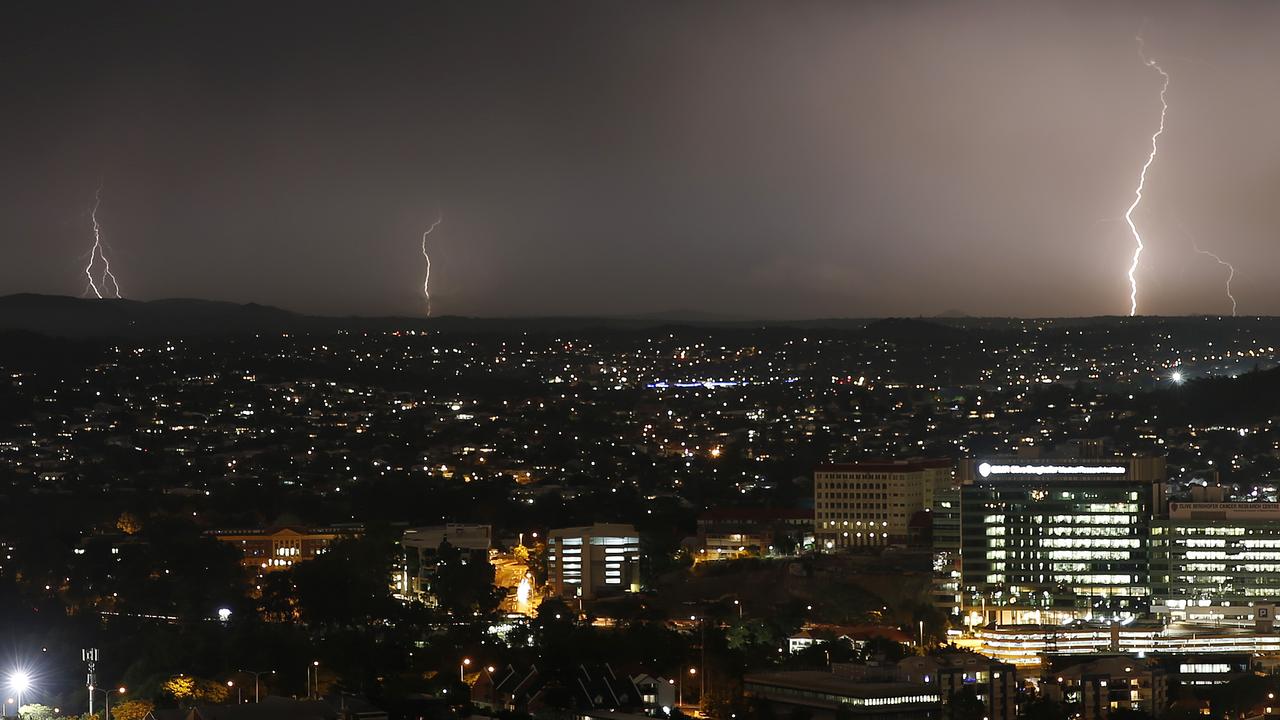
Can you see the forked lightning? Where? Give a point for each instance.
(100, 287)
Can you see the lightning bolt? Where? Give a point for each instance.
(1231, 269)
(1231, 273)
(97, 251)
(426, 281)
(1142, 181)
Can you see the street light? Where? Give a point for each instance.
(239, 692)
(106, 709)
(680, 688)
(462, 670)
(255, 674)
(19, 683)
(493, 688)
(315, 665)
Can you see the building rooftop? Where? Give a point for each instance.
(825, 682)
(756, 514)
(911, 465)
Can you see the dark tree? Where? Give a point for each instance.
(464, 588)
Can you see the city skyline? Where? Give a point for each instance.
(841, 161)
(582, 360)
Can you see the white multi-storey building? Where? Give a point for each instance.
(871, 503)
(583, 562)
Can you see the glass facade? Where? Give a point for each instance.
(1218, 562)
(1043, 543)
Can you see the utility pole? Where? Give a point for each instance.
(702, 671)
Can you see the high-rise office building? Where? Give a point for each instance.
(1044, 540)
(871, 503)
(947, 594)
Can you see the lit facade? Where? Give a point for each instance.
(1107, 685)
(1219, 562)
(948, 595)
(871, 503)
(1052, 540)
(1028, 645)
(269, 549)
(823, 694)
(583, 562)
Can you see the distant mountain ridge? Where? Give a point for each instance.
(84, 318)
(63, 316)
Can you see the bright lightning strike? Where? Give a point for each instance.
(99, 287)
(426, 281)
(1142, 181)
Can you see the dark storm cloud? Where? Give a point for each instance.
(757, 159)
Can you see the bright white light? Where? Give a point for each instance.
(19, 681)
(1177, 377)
(224, 614)
(1142, 182)
(987, 469)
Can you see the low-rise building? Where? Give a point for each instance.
(731, 532)
(280, 548)
(856, 635)
(421, 547)
(1106, 685)
(995, 684)
(1217, 669)
(823, 693)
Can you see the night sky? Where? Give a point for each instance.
(765, 160)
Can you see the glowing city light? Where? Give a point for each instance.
(1177, 377)
(426, 281)
(19, 681)
(1142, 181)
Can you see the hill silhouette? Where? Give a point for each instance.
(1247, 398)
